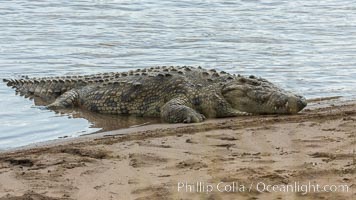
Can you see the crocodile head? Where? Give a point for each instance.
(259, 96)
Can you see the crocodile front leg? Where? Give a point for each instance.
(177, 111)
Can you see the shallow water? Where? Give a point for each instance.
(307, 46)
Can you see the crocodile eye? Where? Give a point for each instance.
(242, 80)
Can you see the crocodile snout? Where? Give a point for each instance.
(301, 103)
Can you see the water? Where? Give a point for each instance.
(307, 46)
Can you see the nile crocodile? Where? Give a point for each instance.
(176, 94)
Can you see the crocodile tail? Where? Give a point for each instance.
(45, 88)
(9, 82)
(14, 83)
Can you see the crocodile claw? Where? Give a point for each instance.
(194, 118)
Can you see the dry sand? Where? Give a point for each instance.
(150, 162)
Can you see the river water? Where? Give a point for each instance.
(306, 46)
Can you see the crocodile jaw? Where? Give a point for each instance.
(258, 96)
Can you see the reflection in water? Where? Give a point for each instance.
(104, 122)
(109, 122)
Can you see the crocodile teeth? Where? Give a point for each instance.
(137, 84)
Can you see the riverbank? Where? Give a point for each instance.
(195, 161)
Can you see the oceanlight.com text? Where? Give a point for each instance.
(236, 187)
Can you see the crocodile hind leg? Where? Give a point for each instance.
(66, 100)
(175, 111)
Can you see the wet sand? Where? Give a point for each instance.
(194, 161)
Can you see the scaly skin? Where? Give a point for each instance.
(176, 94)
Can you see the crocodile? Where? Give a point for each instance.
(181, 94)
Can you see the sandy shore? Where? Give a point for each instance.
(233, 158)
